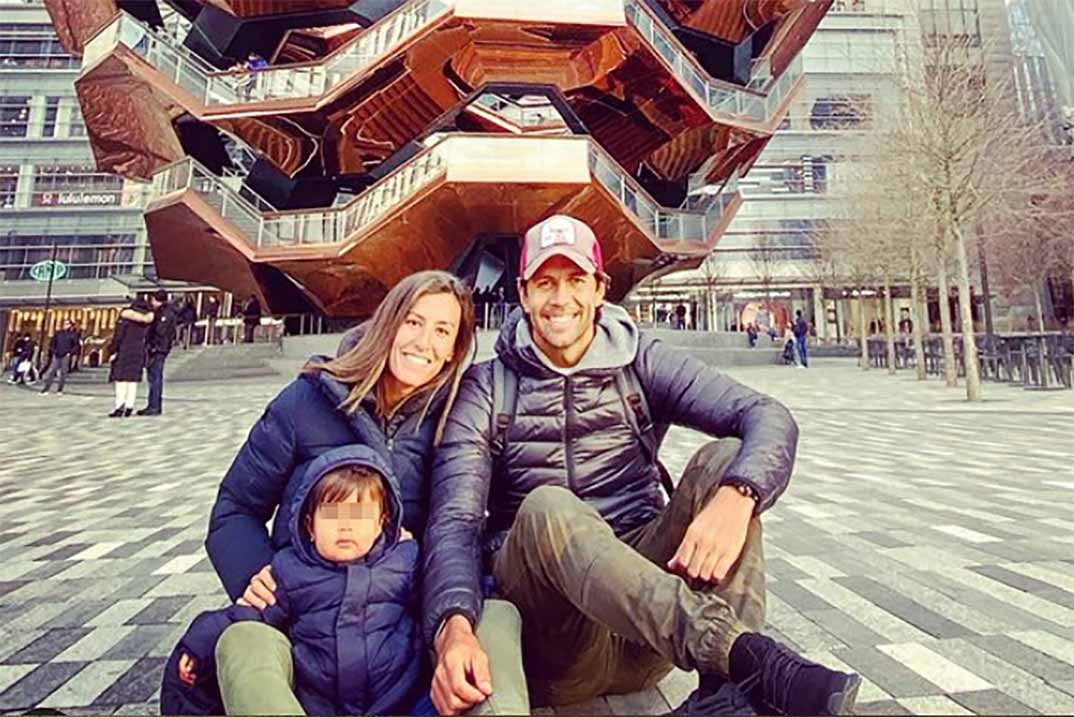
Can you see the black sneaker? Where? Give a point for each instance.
(716, 696)
(147, 412)
(789, 684)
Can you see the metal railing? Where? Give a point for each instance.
(264, 226)
(520, 115)
(212, 86)
(718, 97)
(694, 222)
(215, 87)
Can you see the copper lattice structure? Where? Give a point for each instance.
(388, 136)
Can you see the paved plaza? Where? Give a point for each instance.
(925, 543)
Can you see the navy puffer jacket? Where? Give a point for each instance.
(301, 423)
(353, 626)
(571, 429)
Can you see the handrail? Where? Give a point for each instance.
(265, 227)
(519, 115)
(312, 79)
(296, 81)
(717, 96)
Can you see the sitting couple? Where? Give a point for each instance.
(521, 497)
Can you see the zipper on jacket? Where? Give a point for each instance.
(568, 443)
(391, 427)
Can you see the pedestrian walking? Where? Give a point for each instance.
(801, 338)
(127, 354)
(64, 343)
(185, 320)
(76, 355)
(211, 314)
(251, 319)
(158, 344)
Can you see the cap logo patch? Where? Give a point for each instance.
(555, 232)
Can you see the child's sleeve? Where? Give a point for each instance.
(278, 615)
(200, 640)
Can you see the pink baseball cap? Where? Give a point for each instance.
(560, 235)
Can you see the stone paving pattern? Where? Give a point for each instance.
(925, 543)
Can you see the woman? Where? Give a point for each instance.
(390, 391)
(128, 355)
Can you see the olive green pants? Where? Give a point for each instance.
(601, 614)
(256, 674)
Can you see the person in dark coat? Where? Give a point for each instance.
(387, 390)
(211, 312)
(187, 316)
(560, 500)
(251, 319)
(158, 344)
(348, 550)
(127, 352)
(64, 342)
(801, 338)
(23, 350)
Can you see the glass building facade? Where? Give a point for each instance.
(54, 205)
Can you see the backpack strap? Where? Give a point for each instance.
(504, 400)
(641, 421)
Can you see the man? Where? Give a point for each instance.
(186, 317)
(64, 343)
(251, 319)
(560, 500)
(158, 343)
(212, 313)
(801, 338)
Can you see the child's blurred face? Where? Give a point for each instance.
(346, 530)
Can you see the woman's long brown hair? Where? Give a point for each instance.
(362, 367)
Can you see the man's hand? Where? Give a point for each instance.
(462, 678)
(187, 667)
(261, 592)
(714, 540)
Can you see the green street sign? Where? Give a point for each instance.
(48, 269)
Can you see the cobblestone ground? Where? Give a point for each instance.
(924, 543)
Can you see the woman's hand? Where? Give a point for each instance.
(261, 592)
(187, 665)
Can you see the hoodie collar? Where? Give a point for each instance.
(614, 346)
(357, 456)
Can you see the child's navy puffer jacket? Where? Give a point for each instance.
(353, 626)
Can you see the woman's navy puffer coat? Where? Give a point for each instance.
(301, 423)
(353, 626)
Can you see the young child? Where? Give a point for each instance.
(348, 549)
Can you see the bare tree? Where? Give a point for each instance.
(955, 150)
(712, 273)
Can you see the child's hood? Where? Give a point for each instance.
(357, 456)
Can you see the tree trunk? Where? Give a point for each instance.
(965, 305)
(918, 330)
(1040, 306)
(861, 332)
(889, 321)
(950, 370)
